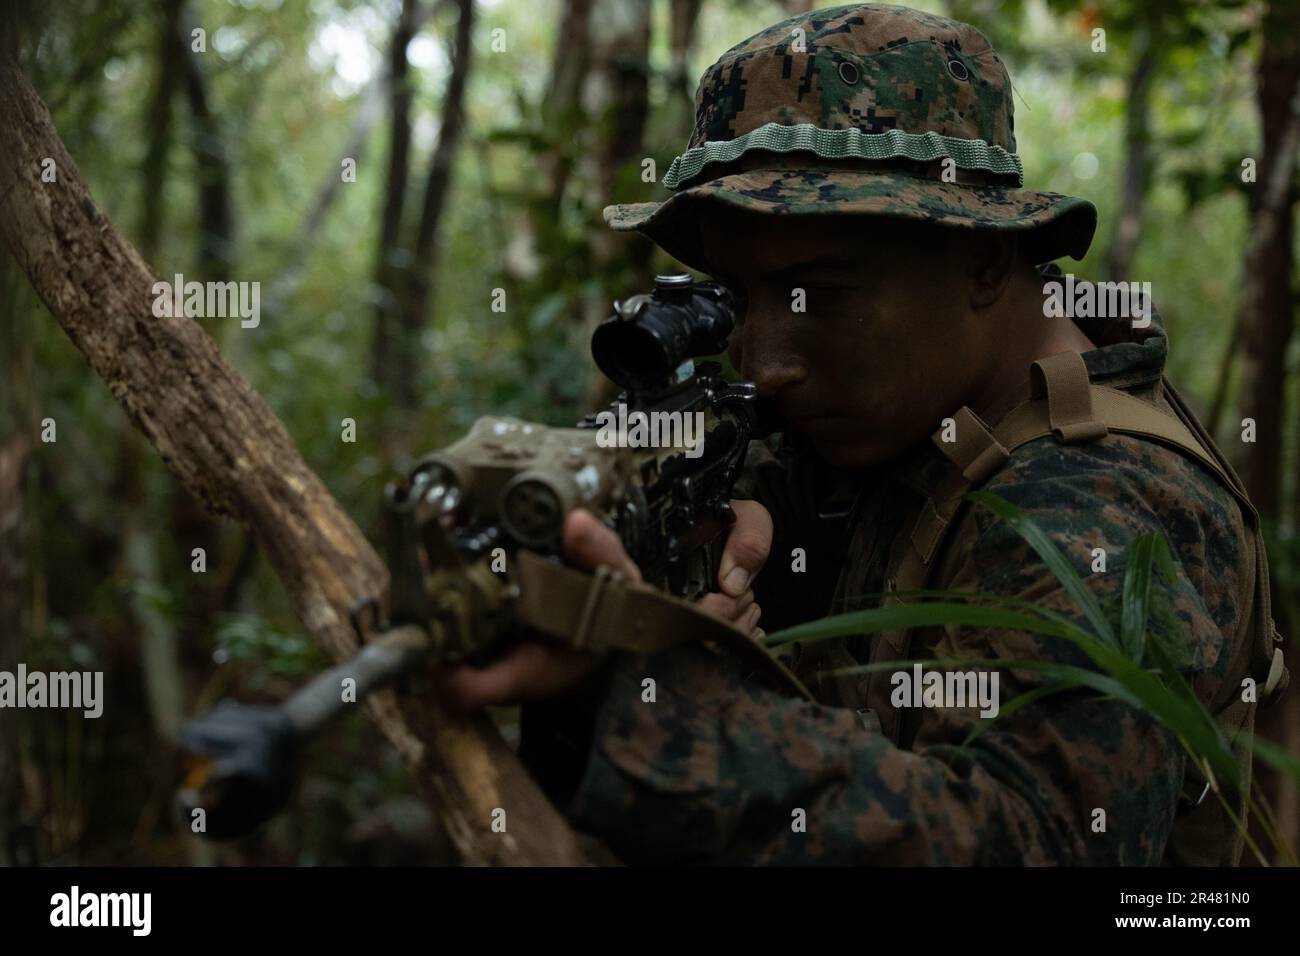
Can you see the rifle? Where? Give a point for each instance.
(475, 551)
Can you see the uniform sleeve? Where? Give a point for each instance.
(713, 769)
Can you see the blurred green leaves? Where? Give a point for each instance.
(248, 641)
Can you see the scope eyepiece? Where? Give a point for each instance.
(648, 337)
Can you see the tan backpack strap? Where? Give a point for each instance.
(977, 455)
(603, 612)
(1184, 413)
(1062, 379)
(1124, 413)
(974, 450)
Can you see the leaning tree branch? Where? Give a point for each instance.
(223, 443)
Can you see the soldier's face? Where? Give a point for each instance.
(859, 329)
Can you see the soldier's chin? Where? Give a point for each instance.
(844, 444)
(849, 457)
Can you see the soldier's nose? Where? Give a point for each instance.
(768, 359)
(771, 377)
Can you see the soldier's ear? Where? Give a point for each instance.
(992, 258)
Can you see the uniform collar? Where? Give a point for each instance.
(1126, 357)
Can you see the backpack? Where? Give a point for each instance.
(1065, 405)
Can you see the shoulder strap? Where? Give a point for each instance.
(1079, 411)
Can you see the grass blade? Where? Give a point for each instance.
(1137, 594)
(902, 616)
(1057, 562)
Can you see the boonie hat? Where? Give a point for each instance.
(865, 109)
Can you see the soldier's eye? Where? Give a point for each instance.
(822, 297)
(740, 300)
(829, 285)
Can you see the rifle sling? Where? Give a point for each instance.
(605, 612)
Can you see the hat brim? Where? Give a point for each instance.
(1054, 225)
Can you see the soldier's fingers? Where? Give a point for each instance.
(743, 604)
(724, 607)
(748, 544)
(588, 544)
(531, 671)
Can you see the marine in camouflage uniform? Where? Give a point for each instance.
(860, 121)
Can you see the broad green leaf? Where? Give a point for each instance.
(976, 596)
(1137, 592)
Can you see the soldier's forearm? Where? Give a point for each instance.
(714, 770)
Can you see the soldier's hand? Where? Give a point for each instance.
(535, 670)
(744, 555)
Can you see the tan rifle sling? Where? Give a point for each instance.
(605, 612)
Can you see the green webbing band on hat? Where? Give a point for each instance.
(851, 143)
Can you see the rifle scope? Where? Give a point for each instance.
(648, 337)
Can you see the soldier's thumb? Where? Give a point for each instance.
(747, 547)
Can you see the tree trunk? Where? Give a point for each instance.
(424, 262)
(618, 90)
(388, 266)
(1223, 381)
(562, 110)
(368, 113)
(1137, 139)
(683, 19)
(158, 131)
(216, 216)
(157, 637)
(219, 438)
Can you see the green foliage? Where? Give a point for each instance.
(245, 639)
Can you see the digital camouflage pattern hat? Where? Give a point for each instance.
(864, 109)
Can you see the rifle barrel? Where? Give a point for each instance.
(380, 662)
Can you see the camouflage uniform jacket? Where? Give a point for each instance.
(716, 767)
